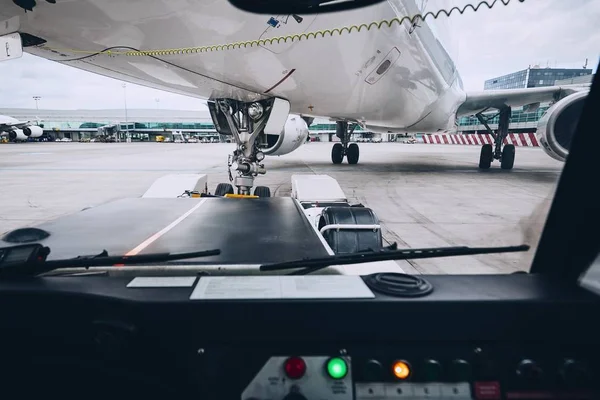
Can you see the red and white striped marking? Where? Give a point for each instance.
(518, 139)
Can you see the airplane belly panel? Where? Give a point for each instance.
(279, 26)
(321, 70)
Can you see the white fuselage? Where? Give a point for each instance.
(331, 76)
(18, 130)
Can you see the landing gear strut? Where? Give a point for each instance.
(505, 154)
(339, 150)
(245, 122)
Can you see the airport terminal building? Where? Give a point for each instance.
(534, 77)
(521, 120)
(144, 124)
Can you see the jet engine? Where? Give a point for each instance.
(33, 131)
(556, 128)
(17, 134)
(293, 135)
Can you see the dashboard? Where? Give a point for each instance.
(474, 337)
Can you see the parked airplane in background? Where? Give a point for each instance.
(388, 77)
(18, 130)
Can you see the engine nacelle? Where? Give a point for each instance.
(17, 134)
(293, 135)
(33, 131)
(556, 128)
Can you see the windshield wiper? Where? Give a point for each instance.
(309, 265)
(30, 260)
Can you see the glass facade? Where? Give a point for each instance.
(153, 126)
(69, 125)
(576, 80)
(328, 127)
(170, 125)
(547, 76)
(148, 131)
(517, 116)
(516, 80)
(90, 125)
(533, 77)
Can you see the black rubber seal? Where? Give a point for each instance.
(398, 285)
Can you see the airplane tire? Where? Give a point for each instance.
(262, 191)
(353, 153)
(486, 156)
(223, 189)
(337, 153)
(508, 156)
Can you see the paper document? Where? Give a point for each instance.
(281, 287)
(162, 281)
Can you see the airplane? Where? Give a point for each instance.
(389, 77)
(18, 130)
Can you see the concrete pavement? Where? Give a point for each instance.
(425, 195)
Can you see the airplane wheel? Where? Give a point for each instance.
(223, 189)
(262, 191)
(486, 156)
(353, 153)
(337, 153)
(508, 156)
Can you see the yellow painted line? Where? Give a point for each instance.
(241, 196)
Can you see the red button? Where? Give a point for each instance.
(294, 367)
(487, 391)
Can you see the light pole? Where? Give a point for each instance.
(36, 98)
(157, 100)
(124, 85)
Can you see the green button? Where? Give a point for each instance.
(337, 368)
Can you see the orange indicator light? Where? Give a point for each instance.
(401, 370)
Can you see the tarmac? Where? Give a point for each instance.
(424, 195)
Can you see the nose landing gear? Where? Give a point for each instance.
(245, 128)
(247, 123)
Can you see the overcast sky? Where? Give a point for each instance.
(489, 43)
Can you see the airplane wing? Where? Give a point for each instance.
(13, 125)
(482, 100)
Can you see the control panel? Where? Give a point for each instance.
(302, 378)
(482, 373)
(394, 380)
(516, 337)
